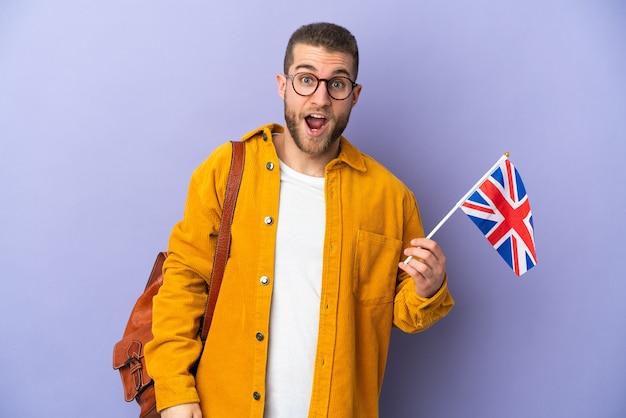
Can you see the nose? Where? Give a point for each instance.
(321, 97)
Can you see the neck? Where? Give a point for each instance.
(300, 161)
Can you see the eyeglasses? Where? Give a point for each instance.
(305, 84)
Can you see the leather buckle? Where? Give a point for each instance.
(134, 351)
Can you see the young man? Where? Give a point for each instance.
(315, 279)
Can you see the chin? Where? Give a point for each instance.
(314, 146)
(309, 144)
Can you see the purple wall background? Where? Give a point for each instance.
(106, 108)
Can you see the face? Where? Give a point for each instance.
(316, 122)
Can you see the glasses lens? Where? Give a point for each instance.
(305, 84)
(339, 88)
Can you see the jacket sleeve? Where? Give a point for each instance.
(411, 312)
(179, 306)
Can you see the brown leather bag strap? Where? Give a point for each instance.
(222, 249)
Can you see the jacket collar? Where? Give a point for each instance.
(265, 130)
(348, 154)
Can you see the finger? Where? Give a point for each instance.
(428, 244)
(419, 254)
(423, 243)
(421, 269)
(426, 262)
(416, 268)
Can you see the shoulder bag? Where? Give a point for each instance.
(128, 354)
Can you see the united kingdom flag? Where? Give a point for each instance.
(500, 209)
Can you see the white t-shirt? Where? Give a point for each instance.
(294, 318)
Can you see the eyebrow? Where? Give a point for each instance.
(311, 68)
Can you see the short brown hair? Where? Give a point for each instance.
(331, 37)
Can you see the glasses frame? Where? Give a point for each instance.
(319, 80)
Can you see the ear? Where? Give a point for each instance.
(355, 94)
(281, 80)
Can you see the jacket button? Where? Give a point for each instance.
(264, 136)
(269, 166)
(264, 280)
(268, 220)
(256, 396)
(260, 336)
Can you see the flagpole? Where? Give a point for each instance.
(463, 199)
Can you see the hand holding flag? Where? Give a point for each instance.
(499, 206)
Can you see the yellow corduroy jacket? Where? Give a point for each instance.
(370, 218)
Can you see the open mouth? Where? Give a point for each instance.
(316, 122)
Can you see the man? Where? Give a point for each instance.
(315, 279)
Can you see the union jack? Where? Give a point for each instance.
(500, 209)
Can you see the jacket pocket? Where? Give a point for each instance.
(376, 266)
